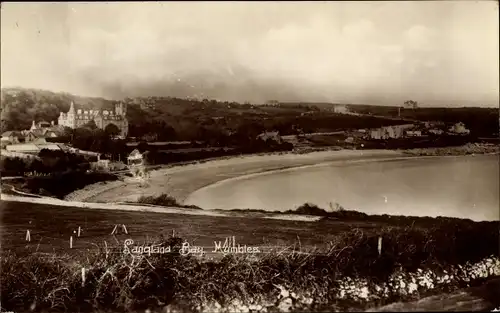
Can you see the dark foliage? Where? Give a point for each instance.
(62, 183)
(115, 283)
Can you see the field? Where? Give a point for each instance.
(51, 232)
(330, 264)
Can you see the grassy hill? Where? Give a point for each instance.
(180, 119)
(169, 118)
(20, 106)
(332, 263)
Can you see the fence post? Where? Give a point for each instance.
(79, 230)
(379, 245)
(71, 242)
(83, 276)
(106, 245)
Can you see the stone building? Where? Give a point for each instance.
(390, 132)
(75, 118)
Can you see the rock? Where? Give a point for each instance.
(285, 305)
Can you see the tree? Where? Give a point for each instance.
(90, 125)
(112, 130)
(411, 104)
(142, 146)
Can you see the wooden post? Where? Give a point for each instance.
(28, 236)
(71, 242)
(79, 230)
(173, 233)
(83, 276)
(379, 245)
(106, 245)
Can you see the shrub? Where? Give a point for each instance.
(163, 199)
(61, 184)
(309, 209)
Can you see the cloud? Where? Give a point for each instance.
(419, 37)
(234, 50)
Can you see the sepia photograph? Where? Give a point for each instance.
(240, 156)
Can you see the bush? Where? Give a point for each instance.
(309, 209)
(163, 199)
(61, 184)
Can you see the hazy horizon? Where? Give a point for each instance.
(439, 53)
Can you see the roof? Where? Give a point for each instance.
(46, 132)
(33, 147)
(50, 146)
(134, 154)
(38, 132)
(78, 151)
(23, 147)
(11, 133)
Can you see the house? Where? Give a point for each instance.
(42, 130)
(29, 136)
(376, 134)
(435, 131)
(349, 140)
(77, 117)
(434, 124)
(135, 158)
(395, 131)
(400, 130)
(12, 137)
(270, 135)
(33, 147)
(413, 133)
(459, 129)
(340, 108)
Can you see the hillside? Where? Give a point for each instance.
(20, 106)
(169, 118)
(483, 122)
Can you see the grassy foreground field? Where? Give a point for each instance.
(332, 264)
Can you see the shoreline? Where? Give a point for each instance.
(320, 164)
(181, 180)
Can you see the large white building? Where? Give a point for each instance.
(75, 118)
(340, 108)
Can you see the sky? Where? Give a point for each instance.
(439, 53)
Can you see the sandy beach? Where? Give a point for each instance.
(181, 181)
